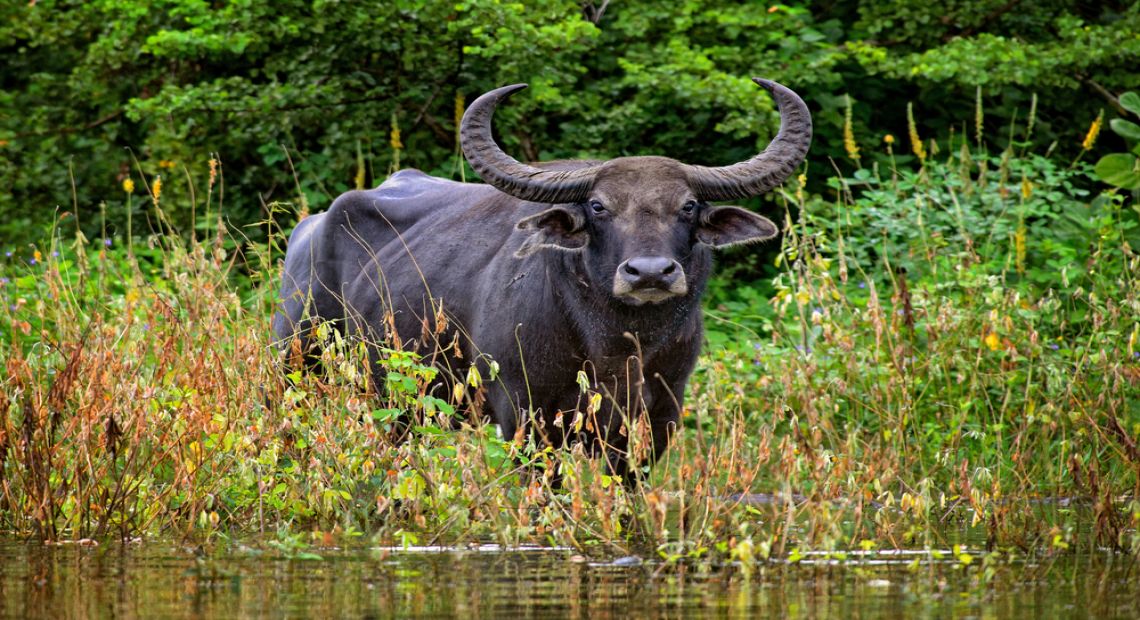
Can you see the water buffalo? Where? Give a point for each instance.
(548, 269)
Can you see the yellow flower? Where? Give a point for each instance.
(165, 163)
(394, 140)
(394, 136)
(157, 188)
(849, 134)
(360, 170)
(915, 141)
(1026, 188)
(1094, 131)
(128, 186)
(213, 171)
(889, 139)
(1019, 247)
(459, 106)
(992, 341)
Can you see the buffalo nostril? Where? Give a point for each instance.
(650, 277)
(650, 266)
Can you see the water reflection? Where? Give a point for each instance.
(154, 580)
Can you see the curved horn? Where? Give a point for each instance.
(505, 172)
(768, 169)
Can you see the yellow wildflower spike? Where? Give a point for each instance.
(394, 135)
(912, 129)
(459, 107)
(1019, 247)
(394, 140)
(849, 143)
(1094, 131)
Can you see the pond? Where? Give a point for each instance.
(150, 580)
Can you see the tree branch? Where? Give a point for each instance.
(1104, 92)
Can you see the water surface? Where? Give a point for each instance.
(160, 580)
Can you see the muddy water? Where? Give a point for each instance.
(154, 580)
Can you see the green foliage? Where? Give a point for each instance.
(943, 340)
(949, 329)
(1031, 45)
(1123, 169)
(298, 100)
(282, 92)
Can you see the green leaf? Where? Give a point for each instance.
(411, 486)
(1119, 169)
(432, 404)
(1130, 101)
(446, 452)
(1125, 129)
(386, 415)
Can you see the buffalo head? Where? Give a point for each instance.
(639, 220)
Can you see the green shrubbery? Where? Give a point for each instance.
(945, 346)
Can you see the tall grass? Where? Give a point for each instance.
(950, 354)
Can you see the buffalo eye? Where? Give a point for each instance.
(597, 208)
(689, 207)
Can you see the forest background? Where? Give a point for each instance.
(299, 100)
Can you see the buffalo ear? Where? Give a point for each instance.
(722, 227)
(557, 227)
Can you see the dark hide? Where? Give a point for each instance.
(516, 276)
